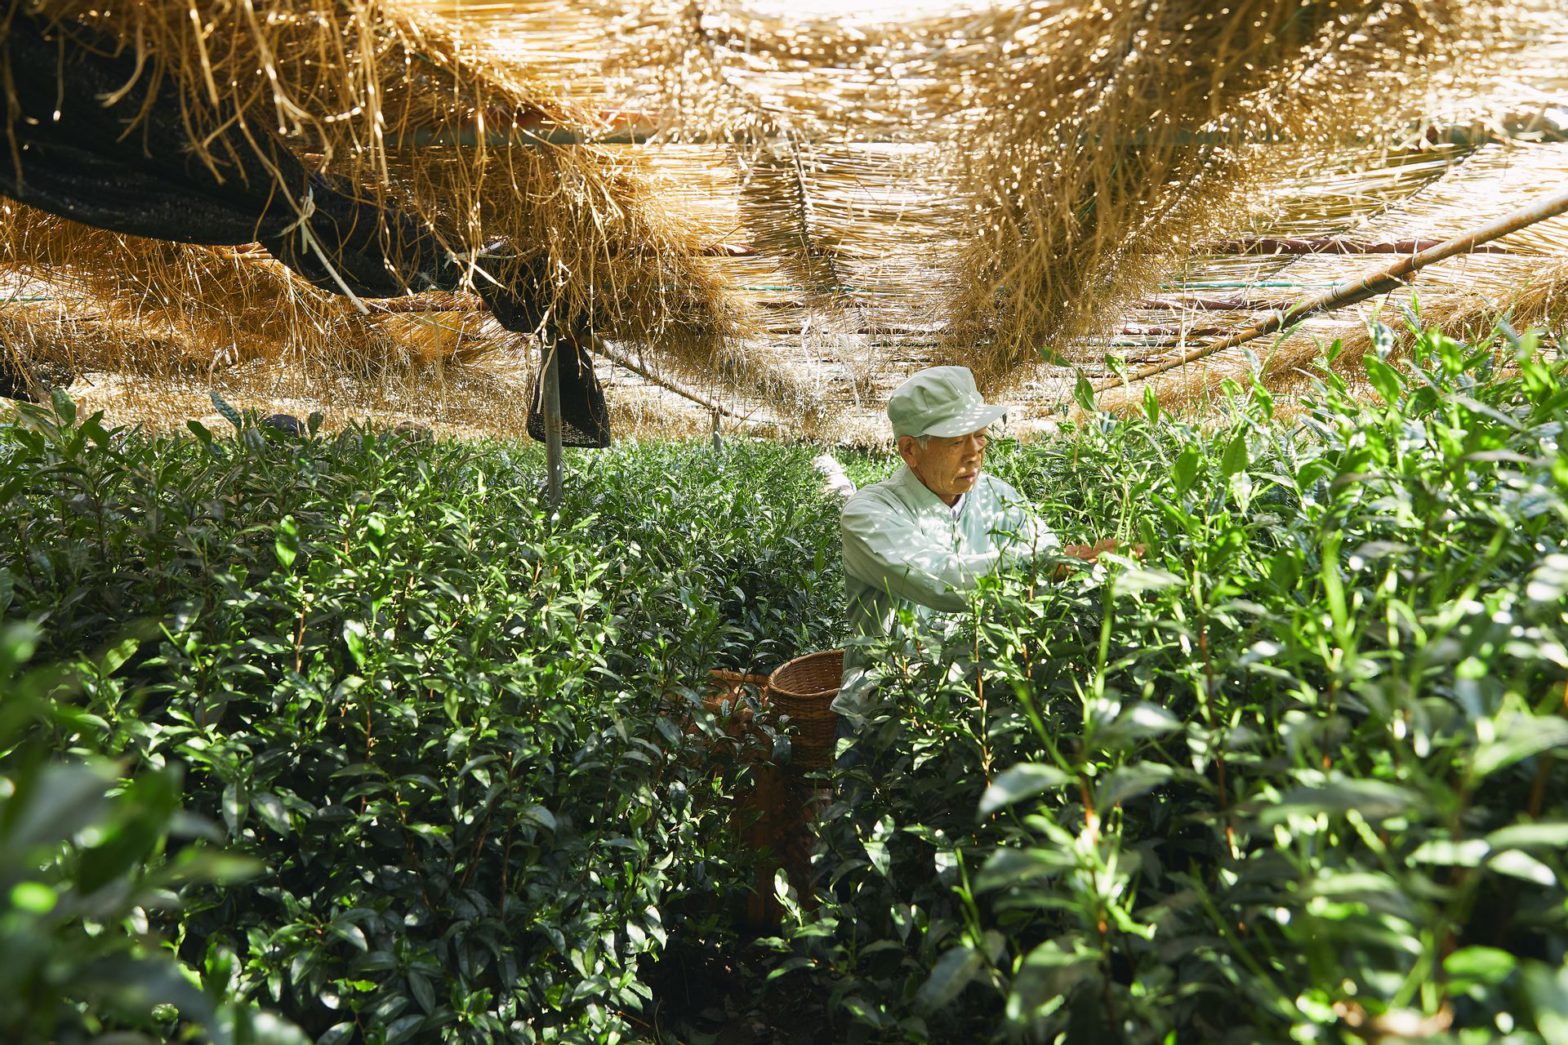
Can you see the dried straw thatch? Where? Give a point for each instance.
(201, 306)
(791, 215)
(391, 100)
(1118, 135)
(405, 108)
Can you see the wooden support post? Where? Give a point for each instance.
(550, 407)
(718, 439)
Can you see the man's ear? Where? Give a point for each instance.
(906, 448)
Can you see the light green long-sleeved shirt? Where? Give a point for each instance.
(904, 547)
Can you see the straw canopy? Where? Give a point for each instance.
(361, 127)
(783, 218)
(1116, 141)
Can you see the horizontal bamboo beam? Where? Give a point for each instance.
(1198, 304)
(1526, 127)
(1138, 330)
(1335, 245)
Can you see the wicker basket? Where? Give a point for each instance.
(730, 689)
(804, 690)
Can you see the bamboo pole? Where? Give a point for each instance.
(1354, 290)
(1197, 304)
(550, 380)
(1271, 245)
(600, 347)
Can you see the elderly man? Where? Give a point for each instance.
(922, 539)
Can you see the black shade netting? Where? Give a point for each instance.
(585, 419)
(129, 167)
(30, 380)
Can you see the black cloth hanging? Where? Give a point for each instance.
(129, 168)
(585, 419)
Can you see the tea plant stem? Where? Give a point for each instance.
(985, 729)
(479, 841)
(370, 742)
(1242, 953)
(1103, 655)
(1091, 819)
(1543, 769)
(1032, 711)
(299, 636)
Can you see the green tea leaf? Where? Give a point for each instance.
(1516, 863)
(64, 406)
(1549, 580)
(1083, 393)
(1487, 965)
(355, 635)
(33, 897)
(424, 993)
(949, 976)
(271, 810)
(1137, 580)
(1540, 835)
(1128, 782)
(1016, 783)
(1519, 737)
(538, 814)
(1235, 458)
(1373, 799)
(53, 806)
(1008, 867)
(1047, 977)
(116, 656)
(285, 545)
(1185, 470)
(1385, 379)
(1446, 853)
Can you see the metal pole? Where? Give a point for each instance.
(1361, 288)
(550, 378)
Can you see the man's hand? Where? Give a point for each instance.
(1090, 553)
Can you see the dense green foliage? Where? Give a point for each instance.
(432, 714)
(350, 731)
(1289, 777)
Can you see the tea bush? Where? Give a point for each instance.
(435, 716)
(1292, 776)
(77, 882)
(347, 740)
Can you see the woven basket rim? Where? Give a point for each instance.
(726, 675)
(805, 661)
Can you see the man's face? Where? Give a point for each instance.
(948, 467)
